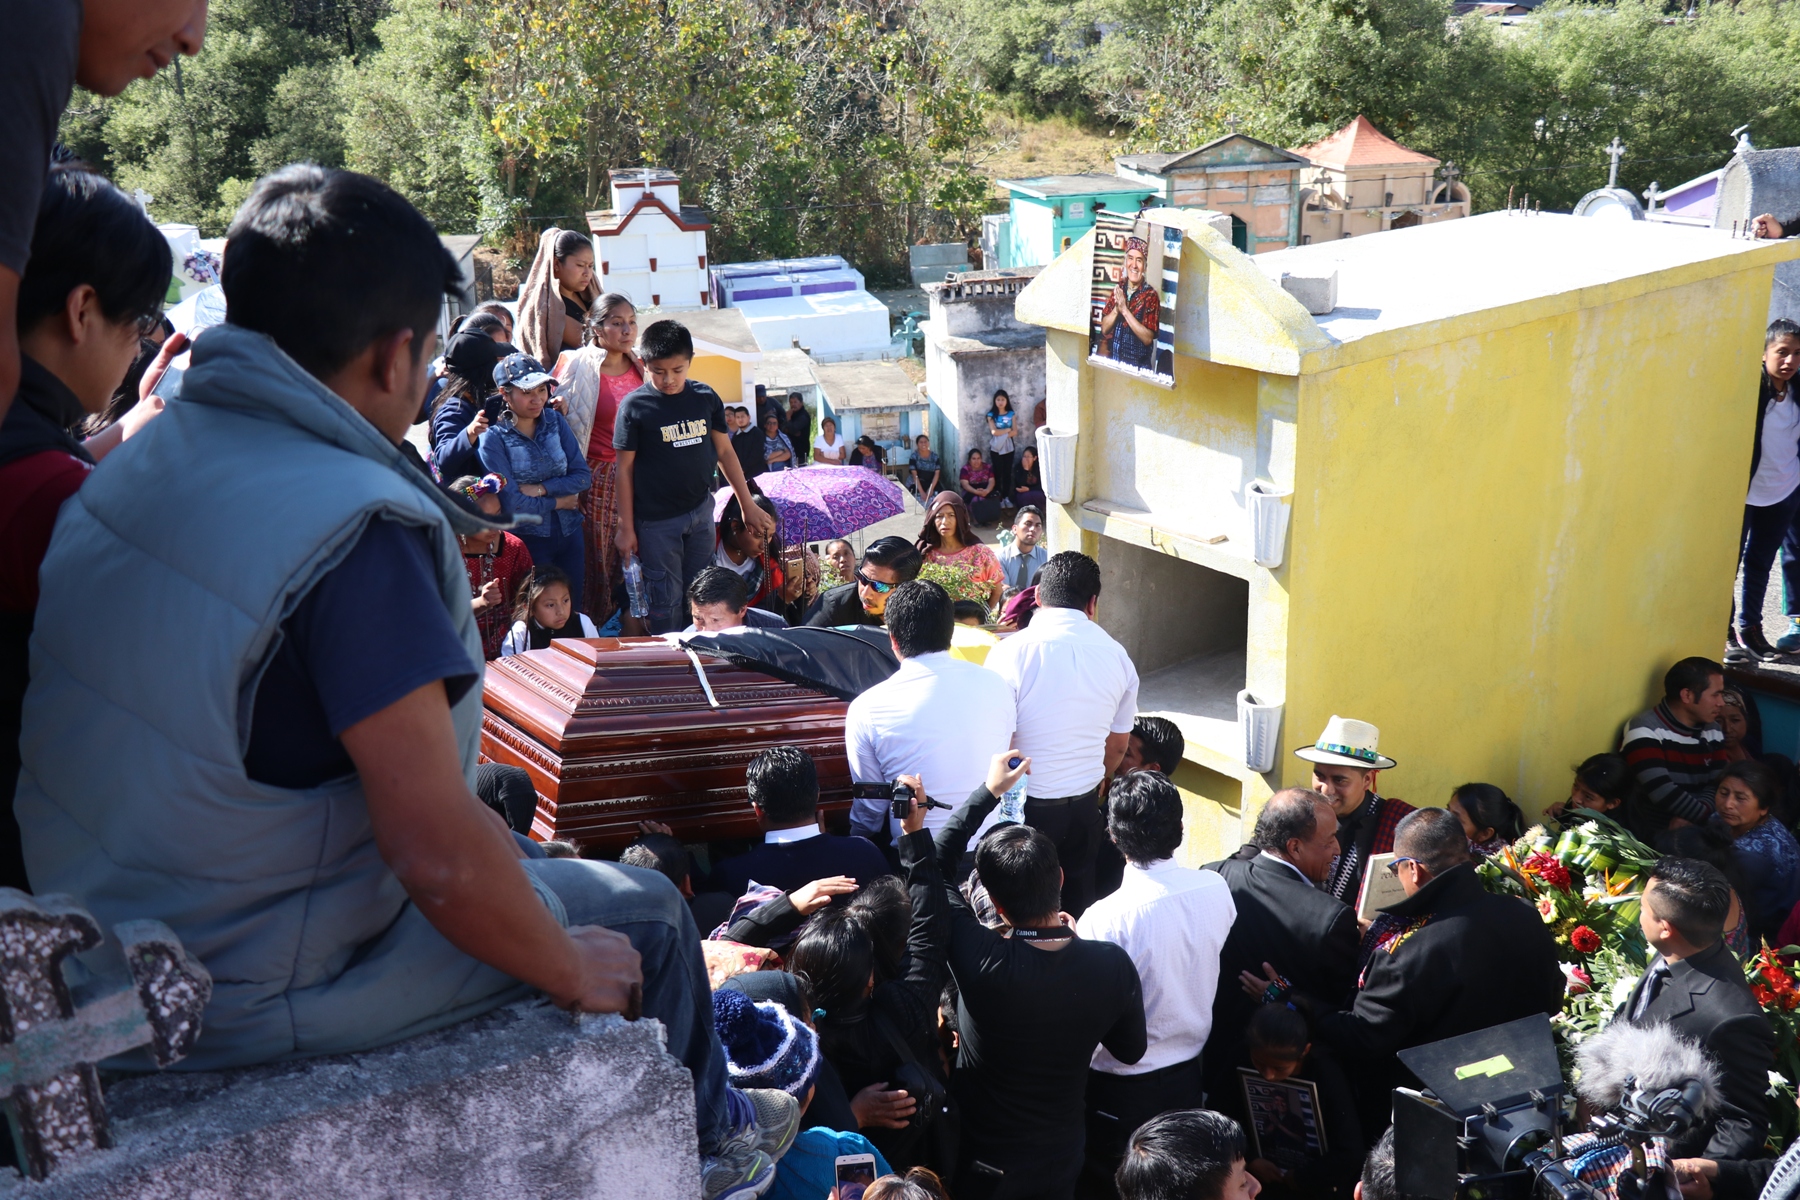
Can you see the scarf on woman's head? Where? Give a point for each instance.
(540, 321)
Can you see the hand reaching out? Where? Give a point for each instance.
(809, 898)
(1001, 777)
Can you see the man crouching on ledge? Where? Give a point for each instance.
(256, 696)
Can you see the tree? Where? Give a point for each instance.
(410, 118)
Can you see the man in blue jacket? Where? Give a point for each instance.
(289, 700)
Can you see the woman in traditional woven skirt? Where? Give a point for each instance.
(593, 381)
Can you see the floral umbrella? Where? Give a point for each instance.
(820, 502)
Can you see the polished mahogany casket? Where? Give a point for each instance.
(614, 731)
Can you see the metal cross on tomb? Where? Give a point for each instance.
(1616, 151)
(49, 1047)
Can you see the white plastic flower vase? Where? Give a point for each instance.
(1262, 725)
(1269, 511)
(1056, 455)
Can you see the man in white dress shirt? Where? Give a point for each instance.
(937, 717)
(1173, 922)
(1076, 691)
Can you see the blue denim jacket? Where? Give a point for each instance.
(451, 453)
(552, 458)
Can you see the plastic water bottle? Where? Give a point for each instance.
(1012, 805)
(634, 587)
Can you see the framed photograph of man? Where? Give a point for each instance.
(1131, 323)
(1284, 1119)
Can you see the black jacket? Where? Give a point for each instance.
(857, 1041)
(1473, 959)
(790, 865)
(1282, 919)
(1766, 394)
(839, 606)
(42, 414)
(1707, 999)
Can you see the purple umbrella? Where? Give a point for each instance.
(820, 502)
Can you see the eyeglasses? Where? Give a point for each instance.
(148, 324)
(1394, 867)
(880, 589)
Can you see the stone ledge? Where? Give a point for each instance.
(523, 1102)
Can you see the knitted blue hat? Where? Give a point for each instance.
(765, 1047)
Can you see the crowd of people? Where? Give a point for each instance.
(1015, 992)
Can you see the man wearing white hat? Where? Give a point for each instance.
(1346, 762)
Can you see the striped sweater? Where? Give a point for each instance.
(1676, 766)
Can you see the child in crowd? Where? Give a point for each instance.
(1282, 1049)
(1490, 819)
(766, 1046)
(546, 610)
(497, 563)
(670, 436)
(545, 467)
(1602, 782)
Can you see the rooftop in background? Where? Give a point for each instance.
(1045, 187)
(724, 328)
(1411, 277)
(1360, 144)
(1210, 155)
(868, 385)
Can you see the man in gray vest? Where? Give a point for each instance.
(256, 696)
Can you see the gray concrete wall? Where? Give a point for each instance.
(1165, 610)
(521, 1104)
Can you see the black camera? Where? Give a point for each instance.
(900, 797)
(1491, 1121)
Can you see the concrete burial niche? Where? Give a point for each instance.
(521, 1104)
(1514, 456)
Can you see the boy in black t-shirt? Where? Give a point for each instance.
(670, 435)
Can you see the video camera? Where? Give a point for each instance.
(1491, 1119)
(899, 795)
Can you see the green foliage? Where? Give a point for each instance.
(261, 93)
(958, 581)
(410, 119)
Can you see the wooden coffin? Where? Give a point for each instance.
(619, 730)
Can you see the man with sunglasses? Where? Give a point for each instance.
(886, 564)
(1458, 959)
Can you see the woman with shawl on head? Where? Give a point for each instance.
(558, 293)
(947, 538)
(591, 382)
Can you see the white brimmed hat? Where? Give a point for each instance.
(1347, 743)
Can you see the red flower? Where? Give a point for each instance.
(1584, 940)
(1546, 867)
(1763, 995)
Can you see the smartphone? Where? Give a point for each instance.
(793, 559)
(492, 406)
(855, 1172)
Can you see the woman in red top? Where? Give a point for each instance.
(593, 381)
(496, 561)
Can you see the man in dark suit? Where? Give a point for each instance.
(1697, 987)
(784, 791)
(1282, 919)
(1457, 959)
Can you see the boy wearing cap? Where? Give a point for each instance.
(670, 436)
(545, 468)
(1346, 762)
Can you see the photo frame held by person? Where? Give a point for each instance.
(1131, 310)
(1284, 1125)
